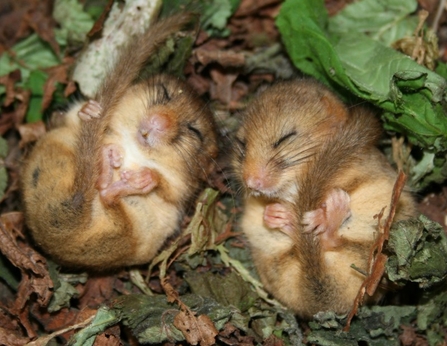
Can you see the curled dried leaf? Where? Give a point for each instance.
(196, 329)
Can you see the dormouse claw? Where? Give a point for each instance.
(91, 110)
(330, 216)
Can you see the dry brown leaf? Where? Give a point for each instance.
(56, 74)
(11, 338)
(250, 7)
(272, 340)
(434, 206)
(97, 27)
(70, 88)
(221, 89)
(12, 25)
(39, 18)
(225, 58)
(35, 276)
(31, 132)
(230, 335)
(23, 96)
(9, 81)
(172, 295)
(335, 6)
(43, 340)
(17, 17)
(111, 337)
(96, 291)
(196, 329)
(6, 122)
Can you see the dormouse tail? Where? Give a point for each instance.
(339, 151)
(121, 76)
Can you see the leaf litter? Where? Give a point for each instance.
(202, 288)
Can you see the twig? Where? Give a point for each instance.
(377, 259)
(441, 8)
(43, 340)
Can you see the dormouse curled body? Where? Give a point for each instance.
(314, 180)
(109, 186)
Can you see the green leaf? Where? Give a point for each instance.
(301, 24)
(151, 318)
(377, 325)
(227, 290)
(385, 320)
(412, 97)
(418, 252)
(62, 296)
(215, 16)
(35, 84)
(74, 22)
(441, 69)
(411, 94)
(30, 54)
(432, 314)
(385, 21)
(104, 318)
(64, 289)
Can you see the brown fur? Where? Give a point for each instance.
(304, 271)
(65, 211)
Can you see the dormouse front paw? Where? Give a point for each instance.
(278, 216)
(333, 212)
(327, 219)
(132, 182)
(111, 158)
(141, 181)
(91, 110)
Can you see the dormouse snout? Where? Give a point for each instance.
(153, 129)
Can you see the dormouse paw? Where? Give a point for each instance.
(111, 158)
(141, 181)
(91, 110)
(315, 221)
(331, 215)
(277, 215)
(138, 182)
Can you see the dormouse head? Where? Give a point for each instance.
(281, 131)
(172, 126)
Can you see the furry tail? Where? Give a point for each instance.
(343, 148)
(126, 70)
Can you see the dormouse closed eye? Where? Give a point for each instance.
(163, 96)
(195, 131)
(241, 143)
(283, 139)
(241, 146)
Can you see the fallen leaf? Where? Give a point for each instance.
(221, 89)
(35, 276)
(43, 340)
(250, 7)
(97, 291)
(9, 81)
(56, 74)
(196, 329)
(11, 338)
(99, 24)
(225, 58)
(111, 337)
(39, 18)
(12, 26)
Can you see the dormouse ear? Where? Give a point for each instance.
(335, 108)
